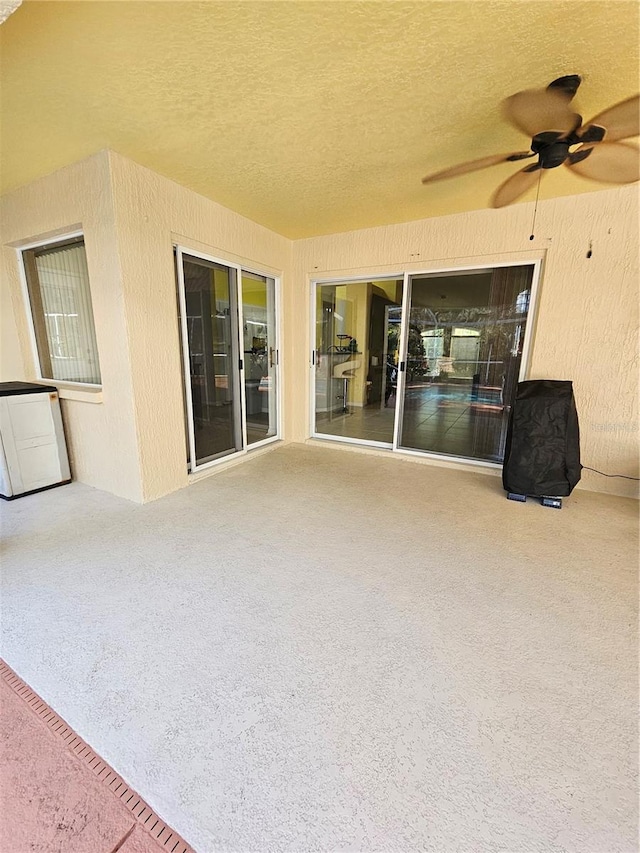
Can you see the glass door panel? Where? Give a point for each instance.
(210, 326)
(260, 356)
(464, 338)
(356, 359)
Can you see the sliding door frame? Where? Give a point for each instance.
(524, 361)
(402, 372)
(406, 276)
(315, 284)
(237, 324)
(250, 270)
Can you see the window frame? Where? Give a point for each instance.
(53, 243)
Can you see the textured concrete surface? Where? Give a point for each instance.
(56, 793)
(50, 801)
(321, 650)
(139, 842)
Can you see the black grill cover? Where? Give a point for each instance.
(542, 451)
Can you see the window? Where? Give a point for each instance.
(61, 312)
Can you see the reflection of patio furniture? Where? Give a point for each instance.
(345, 371)
(486, 393)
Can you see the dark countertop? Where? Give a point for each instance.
(9, 389)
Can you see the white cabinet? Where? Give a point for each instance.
(33, 453)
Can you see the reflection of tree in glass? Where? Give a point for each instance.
(393, 344)
(417, 366)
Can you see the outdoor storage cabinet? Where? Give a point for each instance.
(33, 453)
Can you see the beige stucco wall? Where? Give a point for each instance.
(152, 213)
(132, 442)
(130, 438)
(100, 429)
(587, 317)
(11, 359)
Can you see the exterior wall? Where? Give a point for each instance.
(586, 328)
(152, 213)
(130, 438)
(100, 427)
(11, 359)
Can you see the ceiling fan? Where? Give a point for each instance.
(558, 136)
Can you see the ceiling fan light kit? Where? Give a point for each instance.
(594, 149)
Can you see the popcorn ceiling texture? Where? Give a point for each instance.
(319, 650)
(308, 117)
(8, 7)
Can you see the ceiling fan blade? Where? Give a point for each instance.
(537, 110)
(621, 120)
(474, 165)
(515, 186)
(566, 86)
(591, 133)
(609, 162)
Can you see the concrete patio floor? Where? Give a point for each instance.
(326, 650)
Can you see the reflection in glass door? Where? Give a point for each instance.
(357, 343)
(210, 325)
(464, 340)
(260, 356)
(230, 357)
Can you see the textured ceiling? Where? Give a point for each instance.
(8, 7)
(308, 117)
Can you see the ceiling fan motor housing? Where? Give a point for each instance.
(558, 136)
(554, 155)
(552, 149)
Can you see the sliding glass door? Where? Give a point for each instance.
(433, 373)
(260, 356)
(356, 359)
(463, 352)
(230, 355)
